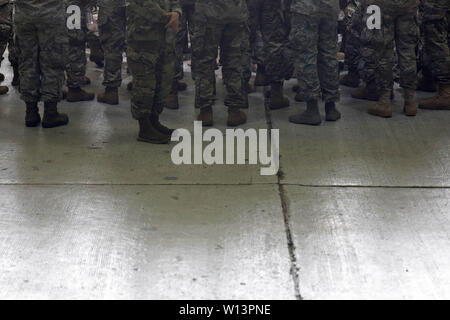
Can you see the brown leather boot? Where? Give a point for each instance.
(172, 101)
(439, 102)
(410, 107)
(78, 94)
(148, 133)
(236, 117)
(3, 90)
(206, 116)
(110, 96)
(383, 108)
(277, 100)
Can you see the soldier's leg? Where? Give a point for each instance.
(143, 61)
(96, 52)
(76, 63)
(383, 48)
(328, 67)
(52, 64)
(205, 45)
(5, 31)
(352, 49)
(274, 32)
(29, 67)
(304, 40)
(13, 57)
(246, 54)
(232, 37)
(437, 35)
(406, 39)
(112, 26)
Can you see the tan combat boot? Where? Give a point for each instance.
(78, 94)
(439, 102)
(383, 108)
(3, 90)
(410, 107)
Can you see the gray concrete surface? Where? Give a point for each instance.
(360, 210)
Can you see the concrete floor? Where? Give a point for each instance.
(361, 208)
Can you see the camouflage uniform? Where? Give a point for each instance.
(272, 18)
(219, 23)
(5, 26)
(246, 52)
(112, 28)
(436, 24)
(353, 23)
(399, 27)
(76, 48)
(314, 44)
(42, 35)
(185, 32)
(150, 53)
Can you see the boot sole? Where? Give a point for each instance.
(54, 125)
(380, 115)
(32, 124)
(79, 100)
(108, 102)
(153, 141)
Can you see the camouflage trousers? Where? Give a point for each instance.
(354, 25)
(41, 63)
(6, 30)
(5, 35)
(436, 26)
(313, 42)
(399, 29)
(76, 52)
(269, 17)
(151, 63)
(182, 40)
(208, 37)
(112, 27)
(246, 53)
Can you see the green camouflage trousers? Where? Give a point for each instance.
(186, 28)
(151, 59)
(436, 27)
(76, 51)
(313, 42)
(246, 52)
(272, 18)
(399, 29)
(112, 28)
(41, 63)
(5, 28)
(208, 37)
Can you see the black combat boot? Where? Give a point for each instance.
(32, 117)
(148, 133)
(3, 90)
(351, 79)
(16, 79)
(260, 80)
(154, 119)
(206, 117)
(277, 99)
(332, 113)
(110, 96)
(52, 118)
(310, 117)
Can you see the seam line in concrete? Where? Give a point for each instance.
(286, 212)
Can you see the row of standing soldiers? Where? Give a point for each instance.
(299, 39)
